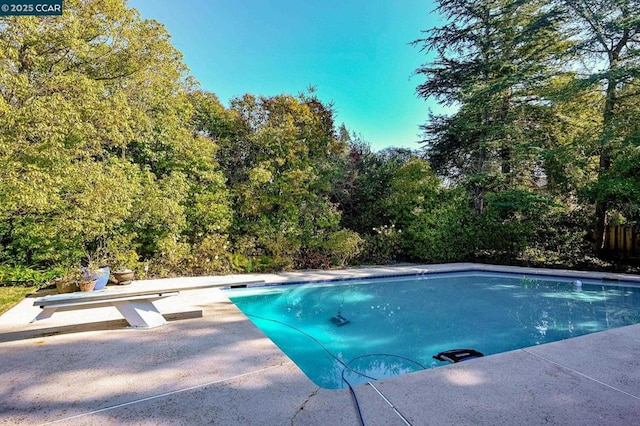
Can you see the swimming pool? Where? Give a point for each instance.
(353, 331)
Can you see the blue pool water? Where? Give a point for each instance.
(397, 324)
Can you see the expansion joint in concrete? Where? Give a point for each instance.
(304, 403)
(582, 374)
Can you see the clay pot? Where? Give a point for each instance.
(87, 285)
(65, 285)
(123, 277)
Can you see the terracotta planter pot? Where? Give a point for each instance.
(65, 286)
(87, 285)
(123, 277)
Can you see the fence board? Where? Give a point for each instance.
(622, 240)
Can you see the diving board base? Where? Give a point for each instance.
(141, 314)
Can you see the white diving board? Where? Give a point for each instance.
(135, 305)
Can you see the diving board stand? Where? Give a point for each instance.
(135, 305)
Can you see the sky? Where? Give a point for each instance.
(355, 53)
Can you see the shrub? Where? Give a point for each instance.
(342, 246)
(383, 246)
(444, 233)
(21, 276)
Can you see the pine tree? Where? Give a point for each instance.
(608, 48)
(492, 61)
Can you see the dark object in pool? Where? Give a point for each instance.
(458, 355)
(339, 320)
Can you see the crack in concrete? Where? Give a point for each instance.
(304, 403)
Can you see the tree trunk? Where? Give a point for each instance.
(479, 187)
(602, 203)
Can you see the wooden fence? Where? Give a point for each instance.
(622, 240)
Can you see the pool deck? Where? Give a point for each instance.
(210, 365)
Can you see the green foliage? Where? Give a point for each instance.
(560, 240)
(382, 246)
(511, 220)
(490, 56)
(365, 186)
(99, 149)
(21, 276)
(430, 220)
(607, 34)
(535, 119)
(443, 233)
(342, 246)
(108, 147)
(119, 252)
(413, 190)
(282, 188)
(534, 229)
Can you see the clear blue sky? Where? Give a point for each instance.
(355, 53)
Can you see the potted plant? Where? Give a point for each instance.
(67, 283)
(95, 271)
(123, 276)
(86, 282)
(101, 275)
(75, 279)
(122, 271)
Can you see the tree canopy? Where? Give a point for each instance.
(110, 151)
(544, 93)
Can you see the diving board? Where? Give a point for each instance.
(135, 305)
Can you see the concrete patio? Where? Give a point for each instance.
(211, 365)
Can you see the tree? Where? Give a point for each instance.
(608, 41)
(366, 183)
(97, 147)
(434, 222)
(492, 58)
(282, 187)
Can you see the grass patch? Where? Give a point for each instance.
(11, 296)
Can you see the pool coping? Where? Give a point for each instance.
(411, 270)
(217, 367)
